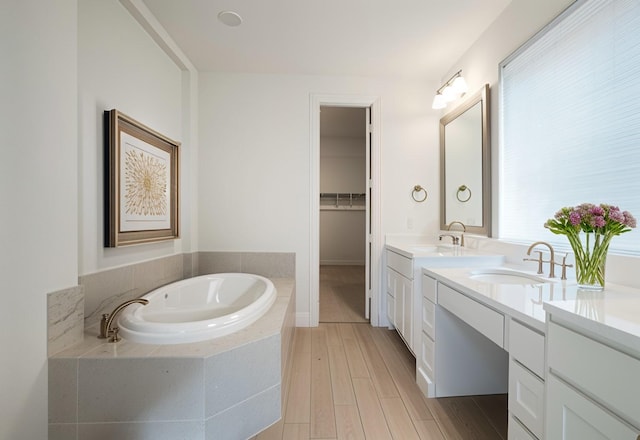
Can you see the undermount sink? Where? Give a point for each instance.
(506, 276)
(426, 248)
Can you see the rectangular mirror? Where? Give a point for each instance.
(465, 165)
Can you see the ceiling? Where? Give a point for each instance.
(381, 38)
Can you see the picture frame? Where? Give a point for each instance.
(141, 183)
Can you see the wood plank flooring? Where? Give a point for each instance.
(354, 381)
(348, 380)
(342, 293)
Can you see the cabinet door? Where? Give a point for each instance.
(572, 416)
(407, 320)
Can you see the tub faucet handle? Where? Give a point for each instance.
(113, 335)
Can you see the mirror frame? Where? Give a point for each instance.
(481, 96)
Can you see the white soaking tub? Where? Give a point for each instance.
(198, 309)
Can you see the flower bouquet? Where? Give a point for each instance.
(600, 223)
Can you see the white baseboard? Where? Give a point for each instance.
(303, 319)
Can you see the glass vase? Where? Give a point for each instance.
(590, 252)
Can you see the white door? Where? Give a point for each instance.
(368, 236)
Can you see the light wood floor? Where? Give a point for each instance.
(342, 293)
(354, 381)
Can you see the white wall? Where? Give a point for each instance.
(38, 195)
(254, 160)
(121, 67)
(343, 163)
(64, 62)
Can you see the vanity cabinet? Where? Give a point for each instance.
(400, 295)
(526, 382)
(425, 370)
(587, 397)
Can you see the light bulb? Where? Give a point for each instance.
(460, 85)
(438, 102)
(449, 94)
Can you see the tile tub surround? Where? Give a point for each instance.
(105, 290)
(72, 310)
(65, 319)
(226, 388)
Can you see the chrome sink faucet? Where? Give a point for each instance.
(464, 229)
(551, 260)
(454, 239)
(106, 332)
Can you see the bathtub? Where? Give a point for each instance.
(198, 309)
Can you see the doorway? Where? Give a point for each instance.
(373, 239)
(344, 214)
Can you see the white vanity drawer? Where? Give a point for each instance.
(429, 318)
(430, 288)
(527, 346)
(427, 355)
(400, 264)
(526, 398)
(517, 431)
(603, 372)
(487, 321)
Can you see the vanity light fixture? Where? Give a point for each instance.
(454, 88)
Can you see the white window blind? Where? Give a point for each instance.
(570, 121)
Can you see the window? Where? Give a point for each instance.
(570, 121)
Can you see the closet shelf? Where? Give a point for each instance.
(343, 201)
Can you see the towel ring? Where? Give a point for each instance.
(416, 191)
(462, 189)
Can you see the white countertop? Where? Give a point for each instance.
(613, 313)
(438, 251)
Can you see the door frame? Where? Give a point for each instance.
(360, 101)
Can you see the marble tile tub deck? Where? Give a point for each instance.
(203, 390)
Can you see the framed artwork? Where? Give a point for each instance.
(141, 183)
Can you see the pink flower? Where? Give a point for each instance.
(616, 215)
(598, 221)
(629, 220)
(575, 218)
(604, 219)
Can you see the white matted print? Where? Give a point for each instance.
(144, 185)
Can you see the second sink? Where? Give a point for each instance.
(506, 276)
